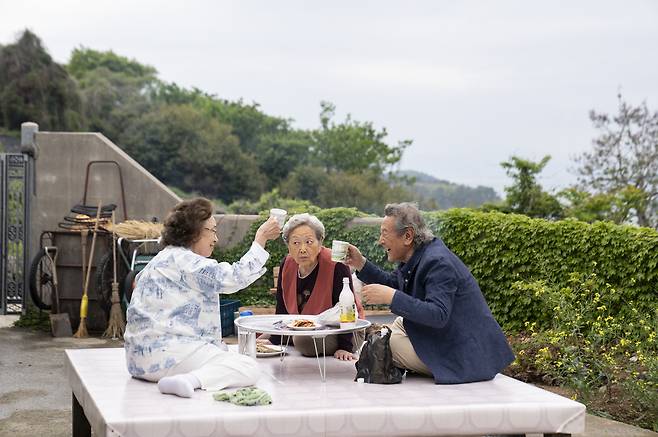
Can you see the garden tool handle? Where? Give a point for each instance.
(85, 299)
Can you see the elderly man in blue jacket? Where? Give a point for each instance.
(445, 328)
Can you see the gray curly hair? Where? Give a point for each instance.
(304, 219)
(407, 215)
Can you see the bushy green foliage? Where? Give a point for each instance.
(84, 61)
(366, 191)
(273, 199)
(183, 147)
(353, 146)
(33, 87)
(505, 251)
(34, 319)
(592, 348)
(115, 90)
(525, 195)
(196, 141)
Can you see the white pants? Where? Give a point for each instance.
(215, 368)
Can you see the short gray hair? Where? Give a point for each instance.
(407, 215)
(304, 219)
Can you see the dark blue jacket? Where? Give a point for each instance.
(445, 315)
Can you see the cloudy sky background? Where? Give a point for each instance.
(470, 82)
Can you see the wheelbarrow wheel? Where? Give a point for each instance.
(42, 281)
(129, 286)
(104, 278)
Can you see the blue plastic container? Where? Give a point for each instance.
(227, 308)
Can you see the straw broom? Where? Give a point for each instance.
(136, 229)
(116, 324)
(84, 302)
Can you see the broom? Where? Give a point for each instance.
(84, 302)
(116, 324)
(136, 229)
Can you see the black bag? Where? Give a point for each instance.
(375, 363)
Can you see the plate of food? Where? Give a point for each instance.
(268, 350)
(302, 325)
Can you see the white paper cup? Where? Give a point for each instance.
(339, 250)
(279, 215)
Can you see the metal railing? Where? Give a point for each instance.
(14, 231)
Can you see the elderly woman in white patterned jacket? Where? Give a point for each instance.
(173, 335)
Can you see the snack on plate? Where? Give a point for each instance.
(264, 349)
(303, 323)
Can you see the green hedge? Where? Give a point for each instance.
(506, 252)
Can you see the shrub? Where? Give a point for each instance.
(597, 352)
(506, 251)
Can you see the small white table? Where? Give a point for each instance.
(276, 325)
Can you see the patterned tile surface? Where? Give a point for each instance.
(117, 405)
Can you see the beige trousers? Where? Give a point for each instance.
(403, 352)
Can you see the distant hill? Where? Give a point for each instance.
(440, 194)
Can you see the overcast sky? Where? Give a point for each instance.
(470, 82)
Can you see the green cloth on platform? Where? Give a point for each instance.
(248, 396)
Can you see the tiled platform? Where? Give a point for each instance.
(116, 404)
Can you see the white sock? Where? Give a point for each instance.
(182, 385)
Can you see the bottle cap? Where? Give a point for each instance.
(246, 313)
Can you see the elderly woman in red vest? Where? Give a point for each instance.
(310, 283)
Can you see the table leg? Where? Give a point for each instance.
(285, 348)
(80, 424)
(323, 368)
(324, 359)
(283, 352)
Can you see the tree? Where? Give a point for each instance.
(115, 89)
(525, 195)
(353, 146)
(276, 147)
(625, 156)
(280, 154)
(33, 87)
(185, 148)
(615, 207)
(365, 191)
(84, 60)
(304, 182)
(249, 123)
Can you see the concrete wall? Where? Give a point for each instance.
(60, 167)
(231, 228)
(60, 180)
